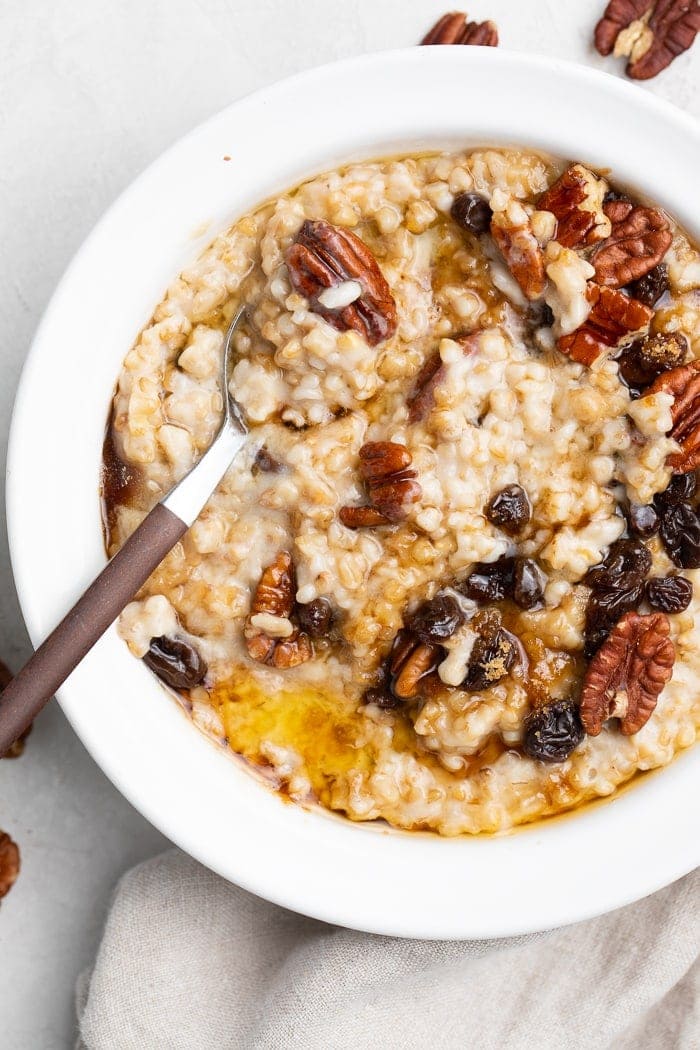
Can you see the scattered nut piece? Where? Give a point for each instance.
(9, 863)
(613, 315)
(638, 241)
(329, 257)
(627, 674)
(684, 384)
(391, 485)
(453, 28)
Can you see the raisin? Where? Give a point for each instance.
(491, 659)
(680, 488)
(680, 534)
(540, 315)
(489, 581)
(640, 363)
(625, 565)
(316, 617)
(382, 697)
(670, 594)
(509, 509)
(265, 463)
(528, 584)
(649, 288)
(472, 212)
(176, 662)
(643, 520)
(436, 620)
(603, 611)
(553, 731)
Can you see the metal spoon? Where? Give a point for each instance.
(28, 692)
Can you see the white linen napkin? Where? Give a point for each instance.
(189, 962)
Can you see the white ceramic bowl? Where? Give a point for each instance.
(362, 876)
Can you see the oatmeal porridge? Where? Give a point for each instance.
(449, 582)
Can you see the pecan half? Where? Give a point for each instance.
(638, 241)
(576, 225)
(325, 256)
(453, 28)
(270, 636)
(9, 863)
(626, 676)
(422, 398)
(650, 33)
(521, 251)
(410, 661)
(613, 315)
(684, 384)
(391, 485)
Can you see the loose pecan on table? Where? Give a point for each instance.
(9, 863)
(324, 257)
(652, 42)
(523, 255)
(391, 485)
(627, 674)
(575, 225)
(453, 28)
(638, 241)
(683, 384)
(613, 315)
(270, 635)
(16, 749)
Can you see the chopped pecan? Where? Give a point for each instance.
(684, 384)
(613, 315)
(521, 251)
(576, 225)
(9, 863)
(626, 676)
(410, 661)
(270, 636)
(325, 256)
(650, 32)
(453, 28)
(422, 398)
(391, 485)
(639, 239)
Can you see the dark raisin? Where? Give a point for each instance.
(680, 488)
(540, 314)
(625, 565)
(176, 662)
(265, 463)
(382, 697)
(643, 520)
(472, 212)
(640, 363)
(553, 731)
(491, 659)
(680, 534)
(603, 611)
(436, 620)
(489, 581)
(649, 288)
(509, 509)
(670, 594)
(528, 584)
(316, 617)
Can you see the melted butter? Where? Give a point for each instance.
(324, 730)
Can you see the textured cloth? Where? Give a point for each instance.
(189, 962)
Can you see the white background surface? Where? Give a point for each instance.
(90, 92)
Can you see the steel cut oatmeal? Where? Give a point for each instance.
(449, 581)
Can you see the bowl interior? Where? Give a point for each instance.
(367, 877)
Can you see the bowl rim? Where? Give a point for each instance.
(348, 859)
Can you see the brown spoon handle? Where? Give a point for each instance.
(22, 700)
